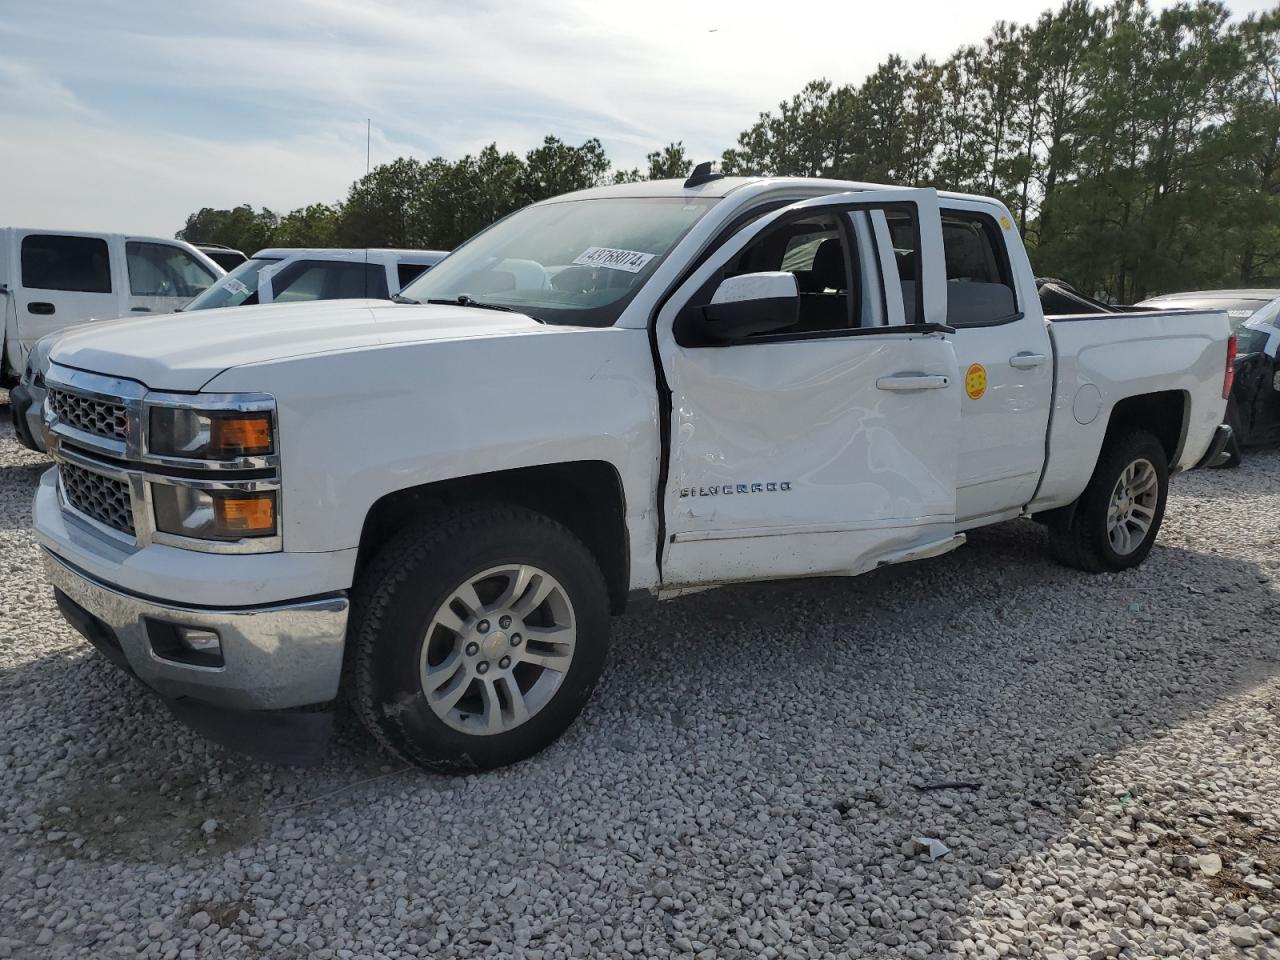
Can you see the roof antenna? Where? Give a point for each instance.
(704, 172)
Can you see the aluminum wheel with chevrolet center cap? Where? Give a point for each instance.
(650, 388)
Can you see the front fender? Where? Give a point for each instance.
(358, 425)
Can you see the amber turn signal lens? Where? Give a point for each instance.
(247, 515)
(242, 434)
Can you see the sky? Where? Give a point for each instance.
(127, 115)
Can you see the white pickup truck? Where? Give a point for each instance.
(632, 391)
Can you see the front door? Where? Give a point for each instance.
(163, 277)
(827, 448)
(1004, 355)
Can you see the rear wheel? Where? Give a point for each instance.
(478, 637)
(1117, 518)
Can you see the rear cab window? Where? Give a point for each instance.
(75, 264)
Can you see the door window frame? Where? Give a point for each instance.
(842, 213)
(1000, 248)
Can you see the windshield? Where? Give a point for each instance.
(237, 288)
(575, 262)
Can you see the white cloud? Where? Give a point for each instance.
(90, 105)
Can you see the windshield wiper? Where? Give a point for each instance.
(466, 300)
(399, 299)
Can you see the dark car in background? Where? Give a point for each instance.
(1253, 410)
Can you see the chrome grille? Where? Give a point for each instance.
(99, 417)
(105, 499)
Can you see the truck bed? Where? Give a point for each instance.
(1102, 358)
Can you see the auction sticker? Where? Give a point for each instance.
(234, 285)
(632, 261)
(975, 381)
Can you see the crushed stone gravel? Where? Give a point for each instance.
(1098, 756)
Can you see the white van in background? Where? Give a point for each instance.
(291, 274)
(51, 279)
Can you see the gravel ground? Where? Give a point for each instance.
(753, 778)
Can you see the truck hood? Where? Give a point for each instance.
(184, 351)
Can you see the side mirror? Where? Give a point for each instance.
(751, 303)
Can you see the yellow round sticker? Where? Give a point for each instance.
(1006, 223)
(975, 381)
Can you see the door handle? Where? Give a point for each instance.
(913, 381)
(44, 309)
(1026, 361)
(140, 309)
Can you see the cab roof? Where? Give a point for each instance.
(722, 187)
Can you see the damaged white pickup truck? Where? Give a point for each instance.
(436, 504)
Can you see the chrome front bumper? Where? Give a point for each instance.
(274, 657)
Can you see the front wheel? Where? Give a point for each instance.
(1116, 520)
(478, 637)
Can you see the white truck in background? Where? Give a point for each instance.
(53, 279)
(636, 390)
(296, 274)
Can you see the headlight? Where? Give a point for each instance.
(213, 514)
(209, 434)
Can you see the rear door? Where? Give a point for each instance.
(827, 448)
(163, 276)
(62, 279)
(1005, 358)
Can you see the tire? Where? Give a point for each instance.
(401, 646)
(1086, 541)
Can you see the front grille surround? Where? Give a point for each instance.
(95, 425)
(104, 499)
(102, 418)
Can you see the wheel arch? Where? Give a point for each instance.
(1164, 413)
(586, 496)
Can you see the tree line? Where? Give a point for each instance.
(1139, 151)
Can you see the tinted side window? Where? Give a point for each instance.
(329, 280)
(159, 270)
(408, 272)
(815, 250)
(979, 280)
(80, 264)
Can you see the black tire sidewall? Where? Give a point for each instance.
(1137, 446)
(399, 705)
